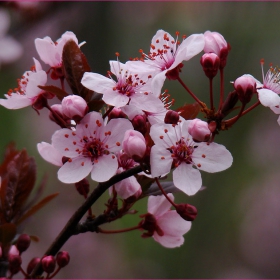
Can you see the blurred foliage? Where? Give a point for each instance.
(212, 247)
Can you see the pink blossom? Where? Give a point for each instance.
(166, 54)
(27, 91)
(269, 91)
(74, 107)
(245, 87)
(51, 52)
(90, 148)
(199, 130)
(50, 154)
(174, 147)
(169, 221)
(134, 144)
(131, 87)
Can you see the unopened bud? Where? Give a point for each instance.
(229, 103)
(245, 87)
(83, 187)
(62, 258)
(199, 130)
(74, 107)
(23, 242)
(139, 123)
(32, 264)
(116, 113)
(48, 264)
(14, 263)
(171, 117)
(186, 211)
(134, 144)
(210, 63)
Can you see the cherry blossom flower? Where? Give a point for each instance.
(166, 54)
(10, 49)
(269, 91)
(174, 147)
(169, 227)
(130, 88)
(90, 148)
(51, 52)
(27, 91)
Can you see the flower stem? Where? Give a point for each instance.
(118, 231)
(70, 228)
(221, 88)
(164, 193)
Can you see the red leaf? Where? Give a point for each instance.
(36, 207)
(189, 111)
(7, 233)
(60, 94)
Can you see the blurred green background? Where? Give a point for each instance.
(237, 231)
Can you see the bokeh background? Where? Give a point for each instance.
(237, 231)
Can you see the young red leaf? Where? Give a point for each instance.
(7, 233)
(60, 94)
(189, 111)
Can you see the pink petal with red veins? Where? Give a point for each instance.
(105, 168)
(49, 153)
(74, 171)
(66, 142)
(187, 179)
(97, 82)
(159, 205)
(212, 158)
(15, 101)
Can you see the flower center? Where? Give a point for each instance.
(182, 152)
(93, 149)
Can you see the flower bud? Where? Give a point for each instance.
(139, 123)
(210, 63)
(14, 263)
(74, 107)
(83, 187)
(134, 144)
(23, 242)
(171, 117)
(229, 103)
(199, 130)
(32, 264)
(245, 87)
(216, 43)
(48, 264)
(186, 211)
(62, 258)
(116, 113)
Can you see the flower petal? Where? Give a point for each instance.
(105, 168)
(15, 101)
(74, 171)
(49, 153)
(97, 82)
(159, 205)
(212, 158)
(187, 179)
(268, 98)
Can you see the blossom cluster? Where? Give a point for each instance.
(113, 123)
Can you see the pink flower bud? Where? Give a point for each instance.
(134, 144)
(14, 263)
(139, 123)
(116, 113)
(245, 87)
(199, 130)
(216, 43)
(23, 242)
(186, 211)
(62, 258)
(171, 117)
(48, 264)
(74, 107)
(210, 63)
(32, 264)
